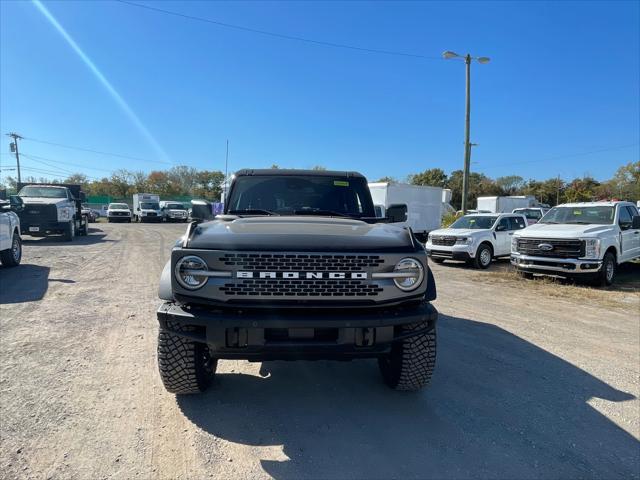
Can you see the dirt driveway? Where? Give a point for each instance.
(534, 379)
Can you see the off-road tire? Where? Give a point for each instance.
(411, 362)
(70, 231)
(185, 366)
(606, 277)
(481, 256)
(12, 256)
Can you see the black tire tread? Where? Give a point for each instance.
(412, 361)
(180, 361)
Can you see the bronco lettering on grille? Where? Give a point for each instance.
(304, 275)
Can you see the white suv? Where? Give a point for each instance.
(476, 238)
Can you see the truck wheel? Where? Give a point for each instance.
(607, 273)
(70, 231)
(12, 256)
(411, 362)
(185, 366)
(484, 256)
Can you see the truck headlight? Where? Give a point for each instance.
(63, 215)
(514, 245)
(412, 274)
(592, 248)
(186, 272)
(464, 240)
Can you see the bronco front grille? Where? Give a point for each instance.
(300, 262)
(553, 248)
(443, 241)
(301, 288)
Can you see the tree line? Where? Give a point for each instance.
(184, 181)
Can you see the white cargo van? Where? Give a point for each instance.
(424, 204)
(505, 204)
(146, 207)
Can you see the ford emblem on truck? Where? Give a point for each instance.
(545, 247)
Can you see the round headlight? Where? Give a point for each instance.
(187, 272)
(413, 274)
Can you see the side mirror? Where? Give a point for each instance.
(397, 213)
(83, 197)
(500, 228)
(635, 222)
(201, 211)
(16, 203)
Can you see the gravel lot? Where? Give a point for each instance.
(534, 379)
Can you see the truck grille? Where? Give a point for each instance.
(443, 241)
(118, 214)
(573, 248)
(301, 288)
(300, 262)
(34, 214)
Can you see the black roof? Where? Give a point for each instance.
(287, 171)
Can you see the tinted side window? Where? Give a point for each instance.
(504, 224)
(624, 216)
(633, 211)
(517, 223)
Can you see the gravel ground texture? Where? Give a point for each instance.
(534, 379)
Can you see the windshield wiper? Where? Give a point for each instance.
(252, 211)
(579, 223)
(318, 211)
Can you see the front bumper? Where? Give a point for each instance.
(257, 335)
(44, 227)
(454, 252)
(555, 266)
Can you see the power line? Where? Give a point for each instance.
(549, 159)
(67, 163)
(99, 152)
(280, 35)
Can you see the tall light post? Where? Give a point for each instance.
(448, 55)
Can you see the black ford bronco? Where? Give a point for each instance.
(297, 268)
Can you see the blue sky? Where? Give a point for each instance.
(560, 96)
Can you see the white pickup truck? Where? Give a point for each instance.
(476, 238)
(586, 240)
(10, 241)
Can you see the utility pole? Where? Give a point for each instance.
(558, 191)
(14, 148)
(467, 124)
(226, 174)
(467, 146)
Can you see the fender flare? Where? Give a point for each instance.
(165, 292)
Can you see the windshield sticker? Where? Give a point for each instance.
(340, 183)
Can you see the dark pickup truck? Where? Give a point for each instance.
(297, 268)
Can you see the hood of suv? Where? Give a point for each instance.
(456, 232)
(562, 230)
(296, 233)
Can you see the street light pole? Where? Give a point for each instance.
(467, 145)
(15, 137)
(467, 124)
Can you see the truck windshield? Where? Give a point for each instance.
(600, 215)
(475, 222)
(149, 206)
(300, 195)
(174, 206)
(118, 206)
(44, 192)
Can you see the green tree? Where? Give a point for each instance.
(434, 177)
(582, 190)
(387, 180)
(510, 185)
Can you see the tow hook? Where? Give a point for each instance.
(365, 337)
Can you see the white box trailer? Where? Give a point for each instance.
(424, 204)
(505, 204)
(146, 207)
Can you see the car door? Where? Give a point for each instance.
(502, 235)
(5, 231)
(629, 238)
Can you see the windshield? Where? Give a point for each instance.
(174, 206)
(149, 206)
(301, 195)
(530, 213)
(44, 192)
(118, 206)
(600, 215)
(475, 222)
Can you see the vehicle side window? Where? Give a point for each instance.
(517, 223)
(624, 218)
(632, 210)
(503, 224)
